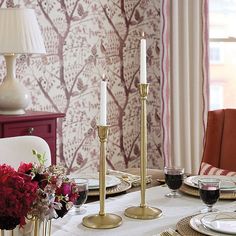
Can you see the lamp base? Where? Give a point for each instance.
(107, 221)
(143, 213)
(14, 97)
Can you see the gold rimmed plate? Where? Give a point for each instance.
(93, 180)
(227, 183)
(121, 187)
(231, 195)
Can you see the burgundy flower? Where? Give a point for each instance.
(25, 168)
(65, 189)
(18, 193)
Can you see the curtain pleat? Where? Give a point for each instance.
(187, 88)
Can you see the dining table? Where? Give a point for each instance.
(173, 210)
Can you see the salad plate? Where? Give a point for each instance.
(227, 183)
(93, 180)
(223, 222)
(196, 224)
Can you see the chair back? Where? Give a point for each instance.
(15, 150)
(220, 140)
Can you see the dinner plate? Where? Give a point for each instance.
(93, 180)
(227, 183)
(196, 224)
(223, 222)
(122, 187)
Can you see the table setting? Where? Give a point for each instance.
(116, 182)
(208, 221)
(228, 186)
(176, 208)
(177, 213)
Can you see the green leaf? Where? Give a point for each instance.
(41, 157)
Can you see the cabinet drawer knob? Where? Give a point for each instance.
(30, 131)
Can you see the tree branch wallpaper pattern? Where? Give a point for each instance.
(85, 39)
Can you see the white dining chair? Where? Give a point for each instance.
(14, 150)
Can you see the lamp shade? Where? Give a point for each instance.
(20, 32)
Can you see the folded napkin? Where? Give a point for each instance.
(135, 180)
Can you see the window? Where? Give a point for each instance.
(215, 54)
(216, 93)
(222, 45)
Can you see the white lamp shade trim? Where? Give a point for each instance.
(20, 32)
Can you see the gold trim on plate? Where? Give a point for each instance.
(122, 187)
(231, 195)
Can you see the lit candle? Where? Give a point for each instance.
(143, 70)
(103, 102)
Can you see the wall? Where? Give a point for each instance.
(85, 39)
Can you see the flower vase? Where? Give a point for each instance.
(32, 228)
(42, 228)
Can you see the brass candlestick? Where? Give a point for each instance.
(102, 220)
(143, 211)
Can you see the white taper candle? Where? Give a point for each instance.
(103, 103)
(143, 69)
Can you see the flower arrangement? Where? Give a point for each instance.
(34, 192)
(18, 192)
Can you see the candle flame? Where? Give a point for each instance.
(104, 77)
(143, 34)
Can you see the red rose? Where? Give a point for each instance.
(25, 167)
(5, 171)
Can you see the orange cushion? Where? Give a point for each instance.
(207, 169)
(228, 147)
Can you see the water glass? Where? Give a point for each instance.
(174, 179)
(82, 185)
(209, 190)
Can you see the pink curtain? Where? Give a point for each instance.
(165, 86)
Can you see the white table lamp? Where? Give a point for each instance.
(19, 34)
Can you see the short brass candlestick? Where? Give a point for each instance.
(143, 211)
(102, 220)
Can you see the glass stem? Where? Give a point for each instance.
(209, 208)
(173, 192)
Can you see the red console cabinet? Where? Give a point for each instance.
(42, 124)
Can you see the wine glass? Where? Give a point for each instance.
(174, 179)
(209, 190)
(82, 185)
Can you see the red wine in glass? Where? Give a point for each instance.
(174, 179)
(209, 191)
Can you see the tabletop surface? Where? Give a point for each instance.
(173, 210)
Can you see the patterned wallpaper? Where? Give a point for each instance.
(85, 39)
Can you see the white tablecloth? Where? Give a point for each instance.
(173, 210)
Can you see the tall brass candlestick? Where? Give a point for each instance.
(102, 220)
(143, 211)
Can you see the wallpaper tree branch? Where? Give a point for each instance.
(85, 39)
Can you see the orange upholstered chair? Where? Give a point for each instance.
(220, 140)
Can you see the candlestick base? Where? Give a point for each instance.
(143, 212)
(106, 221)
